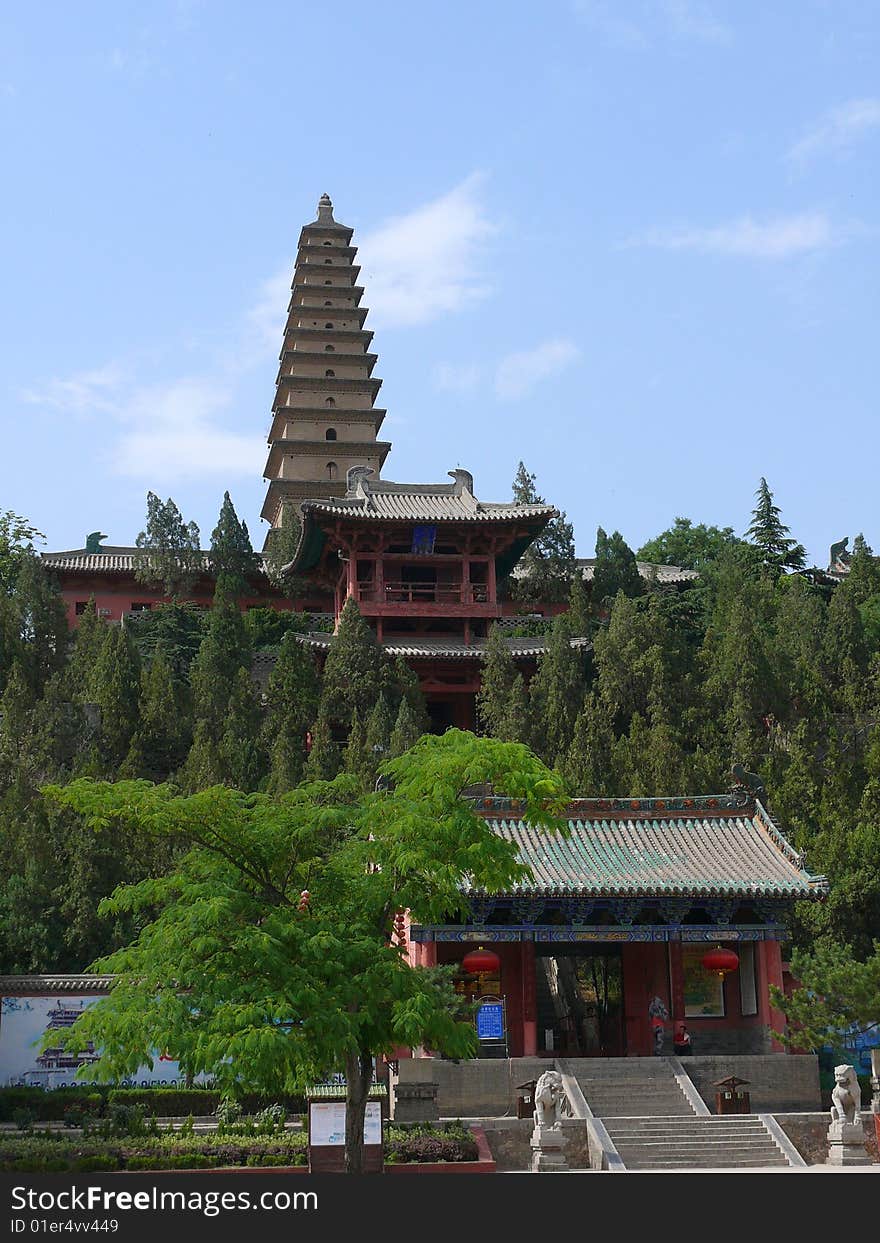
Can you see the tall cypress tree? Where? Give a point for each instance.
(242, 758)
(501, 699)
(615, 570)
(169, 557)
(406, 732)
(115, 687)
(164, 731)
(291, 704)
(355, 672)
(556, 694)
(324, 759)
(770, 534)
(547, 566)
(232, 558)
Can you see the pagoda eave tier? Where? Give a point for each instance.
(309, 232)
(328, 358)
(300, 289)
(322, 384)
(281, 490)
(313, 250)
(320, 311)
(281, 448)
(372, 417)
(310, 334)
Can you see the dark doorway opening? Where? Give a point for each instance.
(440, 715)
(580, 1001)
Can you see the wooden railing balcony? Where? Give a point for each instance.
(423, 593)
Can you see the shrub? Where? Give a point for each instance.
(50, 1106)
(24, 1118)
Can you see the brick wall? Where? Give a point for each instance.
(777, 1081)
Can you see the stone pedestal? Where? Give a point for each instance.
(548, 1144)
(846, 1143)
(414, 1091)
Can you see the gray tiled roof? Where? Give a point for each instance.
(647, 569)
(707, 855)
(448, 648)
(109, 560)
(19, 985)
(368, 497)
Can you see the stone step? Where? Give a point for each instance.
(678, 1124)
(725, 1145)
(709, 1164)
(621, 1135)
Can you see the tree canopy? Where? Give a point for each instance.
(271, 954)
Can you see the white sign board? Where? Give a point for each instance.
(23, 1023)
(327, 1124)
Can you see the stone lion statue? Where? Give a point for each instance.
(846, 1099)
(549, 1094)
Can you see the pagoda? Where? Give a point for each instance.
(324, 418)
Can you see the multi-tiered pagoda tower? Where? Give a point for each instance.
(324, 420)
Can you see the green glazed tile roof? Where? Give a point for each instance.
(664, 856)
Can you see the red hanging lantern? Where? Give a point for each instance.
(481, 962)
(720, 961)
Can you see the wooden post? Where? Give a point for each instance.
(528, 967)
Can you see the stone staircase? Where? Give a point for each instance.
(618, 1087)
(654, 1126)
(679, 1143)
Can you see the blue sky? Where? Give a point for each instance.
(632, 242)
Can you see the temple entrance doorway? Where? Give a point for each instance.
(579, 998)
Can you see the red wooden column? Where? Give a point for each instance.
(529, 1003)
(676, 980)
(770, 972)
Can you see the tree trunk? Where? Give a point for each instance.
(358, 1077)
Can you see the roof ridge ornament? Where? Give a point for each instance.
(325, 210)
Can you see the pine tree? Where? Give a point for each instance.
(406, 732)
(291, 704)
(355, 672)
(615, 570)
(164, 732)
(242, 759)
(88, 641)
(579, 619)
(204, 764)
(114, 687)
(377, 736)
(547, 566)
(770, 534)
(232, 558)
(169, 557)
(588, 766)
(324, 759)
(281, 545)
(355, 759)
(405, 685)
(499, 701)
(224, 650)
(556, 694)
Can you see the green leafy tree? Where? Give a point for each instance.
(615, 570)
(687, 545)
(547, 567)
(270, 961)
(232, 557)
(770, 534)
(17, 539)
(169, 558)
(836, 991)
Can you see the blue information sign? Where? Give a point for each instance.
(490, 1021)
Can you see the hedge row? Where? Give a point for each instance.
(163, 1102)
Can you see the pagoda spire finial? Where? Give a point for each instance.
(325, 210)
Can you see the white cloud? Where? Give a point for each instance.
(517, 374)
(690, 20)
(422, 264)
(639, 25)
(838, 130)
(85, 392)
(457, 377)
(779, 238)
